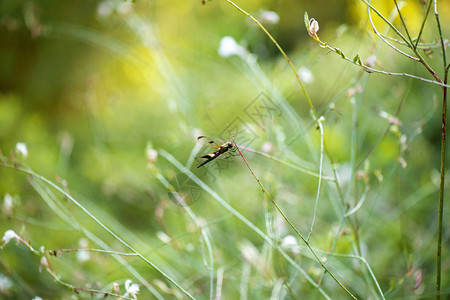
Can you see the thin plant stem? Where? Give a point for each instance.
(423, 46)
(313, 111)
(200, 225)
(292, 225)
(238, 215)
(52, 202)
(418, 58)
(386, 21)
(385, 41)
(386, 131)
(73, 200)
(319, 122)
(57, 251)
(290, 165)
(423, 24)
(403, 23)
(373, 70)
(282, 52)
(443, 160)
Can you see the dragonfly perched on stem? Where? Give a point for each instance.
(227, 147)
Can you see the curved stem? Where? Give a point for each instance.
(78, 204)
(282, 52)
(292, 225)
(320, 177)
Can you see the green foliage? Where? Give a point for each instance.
(96, 90)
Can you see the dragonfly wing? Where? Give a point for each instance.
(207, 141)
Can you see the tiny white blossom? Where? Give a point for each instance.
(290, 242)
(37, 298)
(104, 9)
(5, 284)
(163, 237)
(21, 148)
(8, 204)
(270, 17)
(115, 288)
(371, 61)
(152, 154)
(132, 289)
(313, 27)
(229, 46)
(125, 8)
(8, 236)
(267, 147)
(83, 255)
(43, 263)
(305, 75)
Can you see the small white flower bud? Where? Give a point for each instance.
(8, 236)
(313, 27)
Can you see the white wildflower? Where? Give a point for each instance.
(163, 237)
(83, 255)
(8, 204)
(37, 298)
(125, 8)
(305, 75)
(132, 289)
(291, 243)
(229, 46)
(21, 148)
(5, 284)
(313, 28)
(104, 9)
(267, 147)
(371, 61)
(115, 288)
(8, 236)
(270, 17)
(43, 264)
(152, 154)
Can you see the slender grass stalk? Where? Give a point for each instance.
(385, 41)
(282, 52)
(386, 21)
(423, 46)
(55, 252)
(290, 165)
(201, 226)
(403, 23)
(87, 212)
(292, 225)
(246, 268)
(320, 177)
(62, 212)
(418, 55)
(238, 215)
(423, 23)
(443, 159)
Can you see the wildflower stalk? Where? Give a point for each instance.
(443, 157)
(79, 205)
(305, 240)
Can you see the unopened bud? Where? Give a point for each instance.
(313, 28)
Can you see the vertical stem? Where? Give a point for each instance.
(441, 188)
(443, 146)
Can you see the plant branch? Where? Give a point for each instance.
(292, 225)
(443, 160)
(79, 205)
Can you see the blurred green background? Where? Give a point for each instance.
(91, 86)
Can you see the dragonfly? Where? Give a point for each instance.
(227, 147)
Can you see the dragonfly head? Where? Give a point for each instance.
(230, 145)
